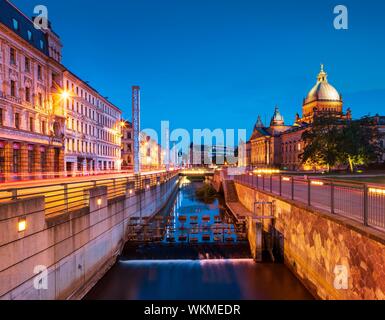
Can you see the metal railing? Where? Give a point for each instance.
(61, 198)
(23, 177)
(361, 202)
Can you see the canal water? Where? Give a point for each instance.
(202, 254)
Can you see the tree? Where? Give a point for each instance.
(322, 142)
(331, 141)
(360, 143)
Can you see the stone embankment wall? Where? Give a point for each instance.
(76, 248)
(324, 250)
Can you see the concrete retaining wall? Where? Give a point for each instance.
(77, 248)
(324, 250)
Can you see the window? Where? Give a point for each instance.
(43, 127)
(40, 99)
(41, 44)
(16, 160)
(15, 24)
(43, 161)
(17, 120)
(30, 161)
(12, 56)
(2, 160)
(29, 34)
(31, 126)
(27, 94)
(1, 117)
(39, 73)
(13, 88)
(27, 65)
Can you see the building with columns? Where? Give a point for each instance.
(281, 146)
(32, 114)
(51, 121)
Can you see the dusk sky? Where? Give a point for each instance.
(221, 63)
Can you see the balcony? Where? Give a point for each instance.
(12, 98)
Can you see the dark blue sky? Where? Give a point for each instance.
(220, 63)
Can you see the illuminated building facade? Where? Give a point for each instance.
(127, 146)
(93, 129)
(280, 146)
(32, 115)
(151, 153)
(266, 142)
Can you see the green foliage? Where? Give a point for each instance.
(360, 143)
(322, 142)
(206, 192)
(331, 141)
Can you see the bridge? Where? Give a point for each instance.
(202, 173)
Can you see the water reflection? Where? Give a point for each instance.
(191, 220)
(198, 280)
(186, 219)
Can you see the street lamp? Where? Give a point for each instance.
(64, 95)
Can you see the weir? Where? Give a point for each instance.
(195, 248)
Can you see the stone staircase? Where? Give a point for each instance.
(230, 191)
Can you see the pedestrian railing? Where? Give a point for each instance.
(61, 198)
(362, 202)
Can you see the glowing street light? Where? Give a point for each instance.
(64, 95)
(22, 225)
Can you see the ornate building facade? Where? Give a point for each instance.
(93, 129)
(127, 146)
(151, 153)
(50, 120)
(266, 142)
(32, 114)
(281, 146)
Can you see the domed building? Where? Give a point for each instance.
(266, 141)
(279, 145)
(322, 98)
